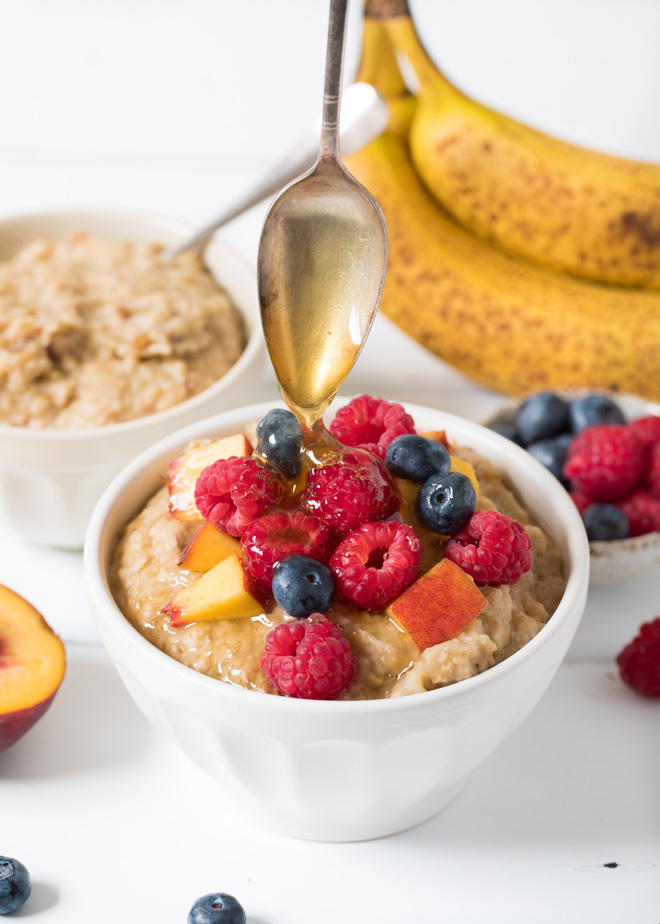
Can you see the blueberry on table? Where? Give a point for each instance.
(302, 586)
(445, 503)
(551, 453)
(217, 908)
(417, 457)
(605, 522)
(15, 885)
(541, 416)
(593, 409)
(280, 441)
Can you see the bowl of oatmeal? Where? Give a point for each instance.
(106, 348)
(416, 718)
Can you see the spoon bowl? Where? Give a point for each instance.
(321, 264)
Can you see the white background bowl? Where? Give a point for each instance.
(51, 479)
(343, 770)
(620, 559)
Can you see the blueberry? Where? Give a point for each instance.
(605, 522)
(280, 441)
(446, 502)
(15, 885)
(506, 428)
(541, 416)
(417, 457)
(552, 453)
(302, 586)
(217, 908)
(594, 409)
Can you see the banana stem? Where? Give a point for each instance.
(396, 19)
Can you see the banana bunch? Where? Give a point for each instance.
(513, 323)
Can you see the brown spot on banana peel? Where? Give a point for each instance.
(644, 228)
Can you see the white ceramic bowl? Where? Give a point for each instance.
(620, 559)
(51, 479)
(337, 771)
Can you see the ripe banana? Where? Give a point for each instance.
(560, 205)
(508, 324)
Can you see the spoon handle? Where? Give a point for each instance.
(334, 66)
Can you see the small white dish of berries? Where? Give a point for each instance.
(604, 447)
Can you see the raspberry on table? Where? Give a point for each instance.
(308, 658)
(639, 660)
(375, 563)
(492, 548)
(652, 471)
(275, 536)
(351, 487)
(642, 510)
(371, 423)
(605, 461)
(647, 429)
(232, 492)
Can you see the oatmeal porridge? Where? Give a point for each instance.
(147, 572)
(95, 331)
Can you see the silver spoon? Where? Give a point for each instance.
(321, 262)
(364, 117)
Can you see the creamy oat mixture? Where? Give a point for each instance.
(146, 577)
(95, 331)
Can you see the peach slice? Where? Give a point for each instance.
(438, 605)
(184, 472)
(465, 468)
(32, 666)
(207, 547)
(225, 592)
(440, 436)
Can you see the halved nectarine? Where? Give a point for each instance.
(439, 605)
(184, 472)
(32, 666)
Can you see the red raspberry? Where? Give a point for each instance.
(492, 548)
(639, 661)
(351, 487)
(374, 564)
(605, 461)
(652, 471)
(647, 429)
(308, 658)
(270, 539)
(642, 510)
(232, 492)
(371, 423)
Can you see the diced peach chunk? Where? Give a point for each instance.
(184, 472)
(225, 592)
(207, 547)
(438, 606)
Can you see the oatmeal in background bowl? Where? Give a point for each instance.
(104, 349)
(374, 760)
(96, 331)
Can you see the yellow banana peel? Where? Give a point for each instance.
(560, 205)
(507, 324)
